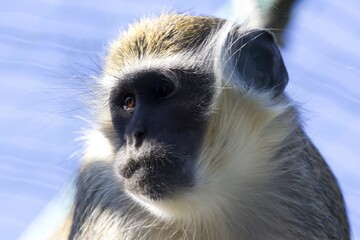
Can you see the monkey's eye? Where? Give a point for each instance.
(129, 102)
(165, 89)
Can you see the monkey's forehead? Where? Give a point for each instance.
(158, 37)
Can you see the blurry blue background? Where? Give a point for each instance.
(49, 47)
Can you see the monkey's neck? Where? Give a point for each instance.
(104, 211)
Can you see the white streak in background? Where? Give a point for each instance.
(246, 12)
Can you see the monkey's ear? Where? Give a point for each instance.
(258, 61)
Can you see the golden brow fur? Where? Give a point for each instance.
(165, 36)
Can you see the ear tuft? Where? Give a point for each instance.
(256, 58)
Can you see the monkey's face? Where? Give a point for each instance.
(158, 118)
(189, 100)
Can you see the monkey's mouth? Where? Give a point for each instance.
(156, 177)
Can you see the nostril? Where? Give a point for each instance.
(127, 170)
(139, 136)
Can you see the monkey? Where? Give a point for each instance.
(194, 137)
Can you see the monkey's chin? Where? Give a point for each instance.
(176, 207)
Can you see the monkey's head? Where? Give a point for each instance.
(192, 112)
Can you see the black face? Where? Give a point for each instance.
(159, 118)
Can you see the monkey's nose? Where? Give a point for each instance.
(137, 136)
